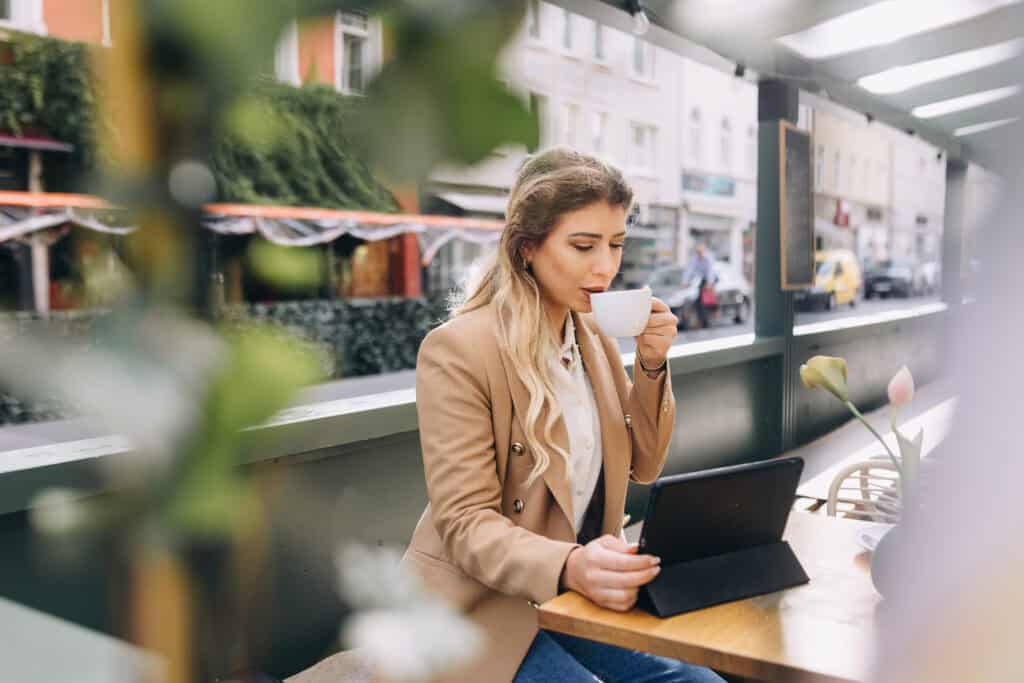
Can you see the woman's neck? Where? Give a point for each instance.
(556, 318)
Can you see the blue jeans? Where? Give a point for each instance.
(558, 657)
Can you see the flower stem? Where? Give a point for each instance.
(892, 456)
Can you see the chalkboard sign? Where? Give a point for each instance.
(796, 207)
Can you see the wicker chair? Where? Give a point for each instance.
(867, 490)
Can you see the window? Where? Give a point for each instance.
(752, 149)
(696, 137)
(726, 144)
(599, 130)
(23, 15)
(570, 115)
(567, 30)
(643, 59)
(533, 19)
(286, 59)
(599, 53)
(351, 52)
(852, 180)
(641, 139)
(835, 171)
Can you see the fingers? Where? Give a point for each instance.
(617, 544)
(657, 305)
(618, 599)
(632, 579)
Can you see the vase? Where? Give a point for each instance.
(885, 562)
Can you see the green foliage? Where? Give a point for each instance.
(282, 145)
(46, 88)
(292, 146)
(355, 338)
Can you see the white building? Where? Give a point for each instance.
(852, 183)
(603, 92)
(717, 171)
(918, 199)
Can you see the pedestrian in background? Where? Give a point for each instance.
(702, 265)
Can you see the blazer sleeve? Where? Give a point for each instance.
(457, 442)
(651, 406)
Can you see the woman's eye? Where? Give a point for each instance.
(616, 246)
(582, 247)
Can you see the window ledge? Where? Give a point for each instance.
(868, 319)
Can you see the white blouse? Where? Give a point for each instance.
(575, 395)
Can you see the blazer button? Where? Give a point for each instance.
(517, 448)
(629, 421)
(517, 505)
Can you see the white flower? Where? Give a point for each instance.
(403, 634)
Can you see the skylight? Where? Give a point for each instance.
(981, 127)
(902, 78)
(884, 23)
(977, 99)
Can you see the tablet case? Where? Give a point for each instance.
(719, 536)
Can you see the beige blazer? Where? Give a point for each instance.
(486, 543)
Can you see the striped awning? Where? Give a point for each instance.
(22, 213)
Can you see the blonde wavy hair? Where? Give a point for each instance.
(548, 185)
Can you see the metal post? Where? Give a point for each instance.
(953, 234)
(773, 310)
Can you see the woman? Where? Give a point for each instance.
(530, 430)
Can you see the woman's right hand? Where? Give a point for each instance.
(609, 572)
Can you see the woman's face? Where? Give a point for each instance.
(580, 256)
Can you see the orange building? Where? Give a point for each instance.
(342, 51)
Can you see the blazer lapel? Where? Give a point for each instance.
(555, 476)
(615, 445)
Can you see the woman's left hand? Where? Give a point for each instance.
(656, 339)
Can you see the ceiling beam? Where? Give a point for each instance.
(988, 29)
(723, 50)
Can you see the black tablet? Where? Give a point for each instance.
(719, 511)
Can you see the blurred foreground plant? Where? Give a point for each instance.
(164, 374)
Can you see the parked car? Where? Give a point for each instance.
(926, 278)
(837, 281)
(889, 278)
(731, 289)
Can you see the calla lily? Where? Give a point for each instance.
(901, 388)
(826, 372)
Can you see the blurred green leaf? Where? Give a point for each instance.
(439, 98)
(287, 267)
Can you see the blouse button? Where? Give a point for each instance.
(629, 421)
(517, 448)
(517, 505)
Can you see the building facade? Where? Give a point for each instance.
(717, 167)
(852, 184)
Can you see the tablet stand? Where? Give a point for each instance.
(694, 584)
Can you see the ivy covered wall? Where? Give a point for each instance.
(302, 157)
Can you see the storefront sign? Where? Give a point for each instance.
(719, 186)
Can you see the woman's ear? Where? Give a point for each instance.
(526, 255)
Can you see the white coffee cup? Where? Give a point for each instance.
(622, 313)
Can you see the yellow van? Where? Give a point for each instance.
(837, 280)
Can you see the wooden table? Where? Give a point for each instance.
(821, 631)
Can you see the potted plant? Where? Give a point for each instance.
(829, 373)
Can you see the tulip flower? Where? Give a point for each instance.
(901, 388)
(826, 372)
(829, 373)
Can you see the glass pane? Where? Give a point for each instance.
(5, 9)
(354, 63)
(638, 56)
(598, 41)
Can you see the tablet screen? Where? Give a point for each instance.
(721, 510)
